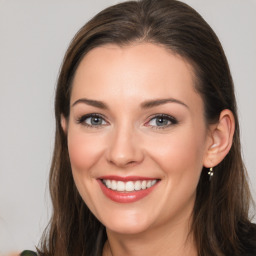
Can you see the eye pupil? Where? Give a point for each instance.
(160, 121)
(96, 121)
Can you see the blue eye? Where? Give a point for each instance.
(92, 120)
(162, 121)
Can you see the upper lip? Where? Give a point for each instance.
(125, 178)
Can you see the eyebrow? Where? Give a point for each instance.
(94, 103)
(144, 105)
(158, 102)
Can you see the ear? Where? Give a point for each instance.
(221, 138)
(64, 123)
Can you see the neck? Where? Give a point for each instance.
(171, 241)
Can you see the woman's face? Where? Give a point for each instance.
(137, 137)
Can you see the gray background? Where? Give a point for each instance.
(33, 38)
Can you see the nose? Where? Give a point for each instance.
(124, 148)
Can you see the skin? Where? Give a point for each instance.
(129, 142)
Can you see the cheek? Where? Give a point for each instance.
(84, 150)
(179, 153)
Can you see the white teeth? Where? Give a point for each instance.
(113, 185)
(129, 186)
(120, 186)
(137, 185)
(143, 184)
(149, 184)
(108, 183)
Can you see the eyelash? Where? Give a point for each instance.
(82, 119)
(168, 118)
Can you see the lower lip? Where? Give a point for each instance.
(125, 197)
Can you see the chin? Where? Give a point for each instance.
(127, 229)
(129, 225)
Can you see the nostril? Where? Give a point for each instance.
(121, 163)
(124, 153)
(131, 163)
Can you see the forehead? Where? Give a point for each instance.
(134, 72)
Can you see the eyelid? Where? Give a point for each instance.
(82, 118)
(170, 118)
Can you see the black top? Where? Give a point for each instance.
(248, 240)
(28, 253)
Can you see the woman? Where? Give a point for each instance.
(147, 154)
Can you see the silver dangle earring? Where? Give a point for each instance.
(210, 173)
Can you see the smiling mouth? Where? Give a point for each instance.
(129, 186)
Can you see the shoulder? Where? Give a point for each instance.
(248, 240)
(28, 253)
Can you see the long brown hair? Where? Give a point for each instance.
(220, 216)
